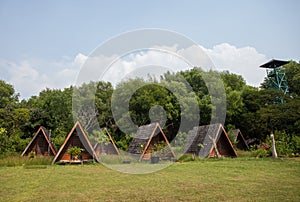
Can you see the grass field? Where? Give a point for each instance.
(241, 179)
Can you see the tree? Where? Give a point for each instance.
(233, 81)
(292, 70)
(53, 110)
(293, 77)
(141, 98)
(8, 103)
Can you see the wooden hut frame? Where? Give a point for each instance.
(239, 139)
(145, 139)
(209, 141)
(111, 148)
(40, 144)
(76, 137)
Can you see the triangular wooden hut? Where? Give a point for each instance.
(209, 141)
(40, 144)
(106, 148)
(146, 138)
(78, 138)
(240, 140)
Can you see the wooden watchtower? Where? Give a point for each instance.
(276, 75)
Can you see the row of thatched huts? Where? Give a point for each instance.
(41, 145)
(203, 141)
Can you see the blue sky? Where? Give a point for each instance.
(46, 36)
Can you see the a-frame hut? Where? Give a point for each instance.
(78, 138)
(40, 144)
(145, 141)
(240, 141)
(109, 147)
(209, 141)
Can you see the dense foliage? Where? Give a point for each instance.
(168, 100)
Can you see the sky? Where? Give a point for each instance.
(45, 43)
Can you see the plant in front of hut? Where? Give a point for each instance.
(75, 152)
(160, 149)
(157, 150)
(32, 154)
(140, 149)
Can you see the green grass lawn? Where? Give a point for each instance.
(241, 179)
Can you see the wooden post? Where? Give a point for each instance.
(215, 145)
(274, 153)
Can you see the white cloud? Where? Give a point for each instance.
(22, 76)
(153, 62)
(79, 60)
(31, 76)
(197, 56)
(244, 61)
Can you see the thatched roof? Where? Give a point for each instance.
(142, 136)
(78, 131)
(146, 136)
(201, 141)
(240, 140)
(42, 134)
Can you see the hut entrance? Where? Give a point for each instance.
(209, 141)
(240, 141)
(40, 144)
(76, 138)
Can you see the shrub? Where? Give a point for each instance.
(296, 144)
(286, 145)
(261, 153)
(124, 142)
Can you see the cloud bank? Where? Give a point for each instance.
(32, 76)
(29, 77)
(244, 61)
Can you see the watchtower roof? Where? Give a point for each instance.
(274, 64)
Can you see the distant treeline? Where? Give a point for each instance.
(253, 110)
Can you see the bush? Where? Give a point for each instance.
(296, 144)
(124, 142)
(261, 153)
(286, 145)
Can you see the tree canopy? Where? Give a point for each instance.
(137, 101)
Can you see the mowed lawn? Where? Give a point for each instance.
(241, 179)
